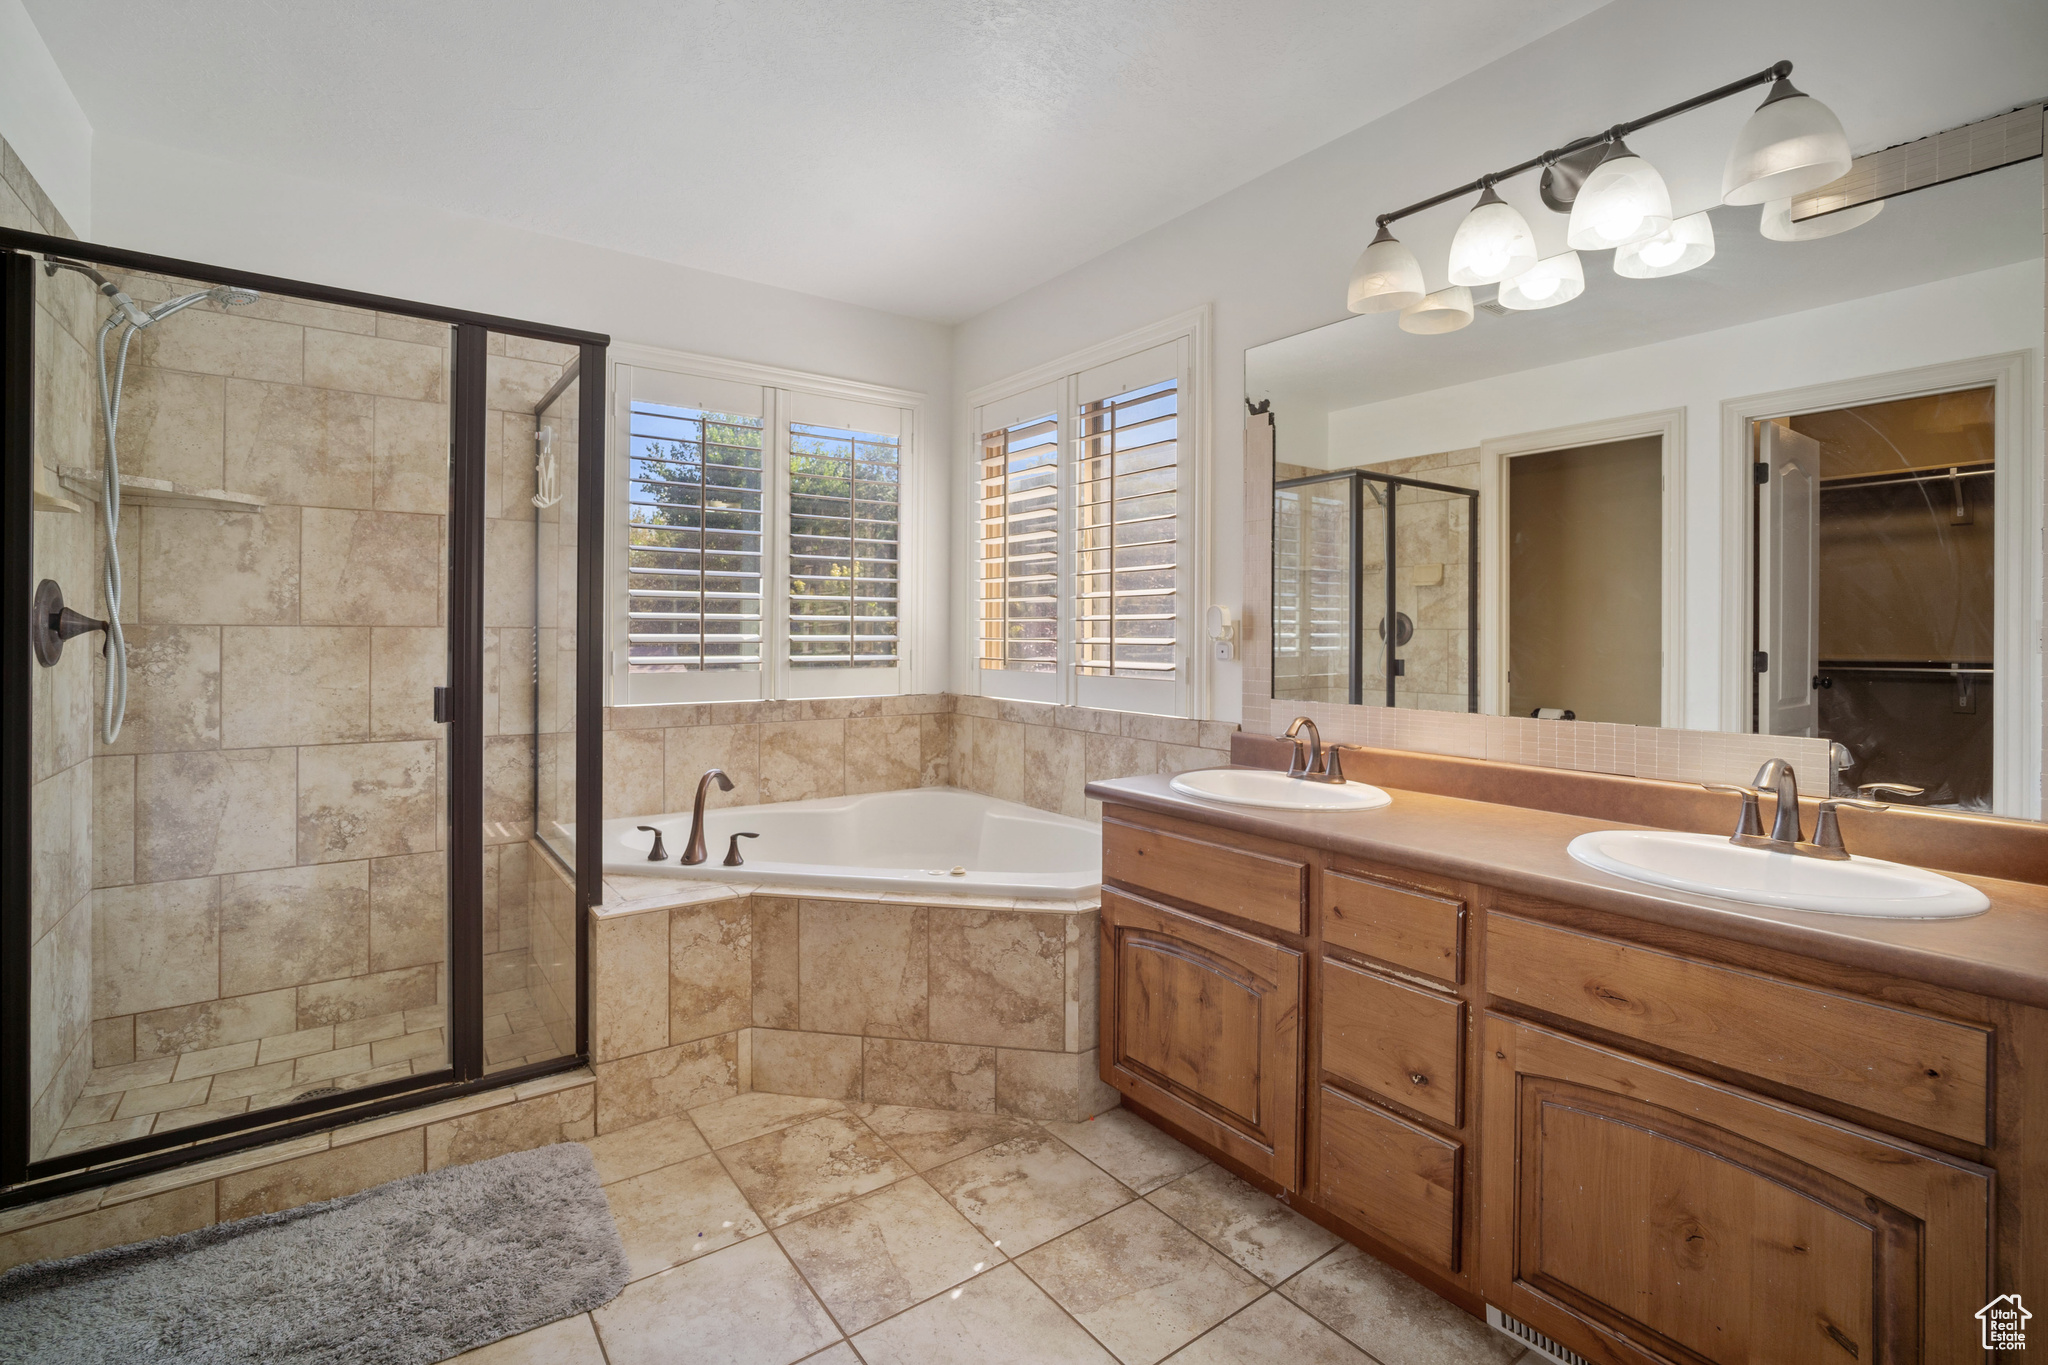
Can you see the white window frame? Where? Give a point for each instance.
(775, 679)
(1006, 402)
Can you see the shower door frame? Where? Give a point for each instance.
(1357, 479)
(23, 1180)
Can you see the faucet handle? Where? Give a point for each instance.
(732, 850)
(1827, 831)
(1895, 788)
(1333, 766)
(1750, 825)
(657, 853)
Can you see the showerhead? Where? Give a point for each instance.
(231, 296)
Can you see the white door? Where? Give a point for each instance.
(1788, 608)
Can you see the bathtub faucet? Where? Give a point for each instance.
(696, 853)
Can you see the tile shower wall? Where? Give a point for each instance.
(60, 1058)
(1041, 756)
(269, 857)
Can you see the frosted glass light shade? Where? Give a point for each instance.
(1386, 277)
(1493, 243)
(1779, 227)
(1624, 200)
(1686, 245)
(1551, 281)
(1444, 311)
(1792, 143)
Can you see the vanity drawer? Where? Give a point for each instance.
(1394, 1040)
(1912, 1067)
(1398, 925)
(1391, 1177)
(1255, 886)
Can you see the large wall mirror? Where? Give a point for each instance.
(1795, 491)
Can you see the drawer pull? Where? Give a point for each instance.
(1418, 1078)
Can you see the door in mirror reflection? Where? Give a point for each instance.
(1876, 571)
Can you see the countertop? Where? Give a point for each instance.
(2001, 953)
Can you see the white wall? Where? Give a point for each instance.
(1989, 313)
(41, 119)
(194, 208)
(1273, 256)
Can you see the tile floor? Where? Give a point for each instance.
(767, 1229)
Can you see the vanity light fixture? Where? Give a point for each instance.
(1686, 245)
(1494, 243)
(1778, 225)
(1551, 281)
(1623, 201)
(1444, 311)
(1386, 277)
(1792, 143)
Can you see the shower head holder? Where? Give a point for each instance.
(51, 623)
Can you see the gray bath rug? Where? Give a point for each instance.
(407, 1273)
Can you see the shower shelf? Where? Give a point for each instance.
(142, 492)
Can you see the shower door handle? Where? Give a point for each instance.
(440, 706)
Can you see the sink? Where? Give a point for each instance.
(1278, 791)
(1708, 865)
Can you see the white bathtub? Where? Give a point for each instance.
(930, 840)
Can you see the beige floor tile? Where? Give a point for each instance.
(752, 1114)
(1129, 1148)
(214, 1060)
(1250, 1227)
(838, 1353)
(645, 1147)
(93, 1109)
(794, 1172)
(744, 1305)
(1392, 1317)
(130, 1076)
(99, 1135)
(568, 1341)
(932, 1137)
(326, 1066)
(255, 1080)
(1271, 1330)
(1027, 1191)
(198, 1113)
(1142, 1283)
(154, 1099)
(678, 1213)
(1000, 1318)
(880, 1254)
(304, 1043)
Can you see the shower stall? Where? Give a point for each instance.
(301, 718)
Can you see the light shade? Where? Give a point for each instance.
(1551, 281)
(1386, 277)
(1686, 245)
(1444, 311)
(1792, 143)
(1493, 243)
(1778, 225)
(1622, 201)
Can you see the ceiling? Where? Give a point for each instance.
(927, 157)
(1952, 229)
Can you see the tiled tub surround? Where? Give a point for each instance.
(1039, 756)
(969, 1004)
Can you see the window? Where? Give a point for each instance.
(693, 539)
(763, 553)
(1087, 577)
(842, 547)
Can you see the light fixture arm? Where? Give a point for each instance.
(1776, 72)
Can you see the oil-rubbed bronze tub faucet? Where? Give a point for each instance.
(696, 853)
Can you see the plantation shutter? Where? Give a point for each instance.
(1019, 533)
(844, 543)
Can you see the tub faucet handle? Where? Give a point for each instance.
(732, 852)
(656, 854)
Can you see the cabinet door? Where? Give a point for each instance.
(1201, 1024)
(1638, 1213)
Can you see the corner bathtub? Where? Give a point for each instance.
(929, 840)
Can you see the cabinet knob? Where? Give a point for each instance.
(1418, 1078)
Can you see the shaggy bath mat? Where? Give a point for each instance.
(407, 1273)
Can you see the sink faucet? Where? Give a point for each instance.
(1776, 776)
(1317, 764)
(696, 852)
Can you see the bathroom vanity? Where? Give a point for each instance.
(1652, 1126)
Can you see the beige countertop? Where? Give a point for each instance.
(2002, 952)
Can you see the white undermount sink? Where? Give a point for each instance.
(1278, 791)
(1708, 865)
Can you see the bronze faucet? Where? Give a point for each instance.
(1776, 776)
(696, 852)
(1319, 764)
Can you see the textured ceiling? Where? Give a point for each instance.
(928, 157)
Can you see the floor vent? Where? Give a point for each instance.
(1533, 1339)
(320, 1092)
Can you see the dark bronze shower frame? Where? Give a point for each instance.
(23, 1180)
(1357, 479)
